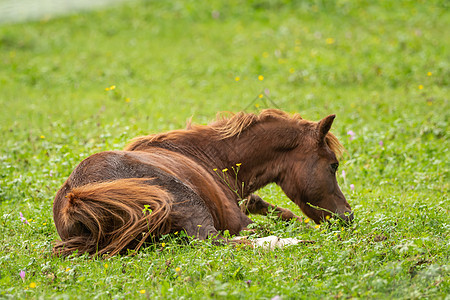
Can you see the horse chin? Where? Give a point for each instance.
(316, 215)
(346, 218)
(320, 216)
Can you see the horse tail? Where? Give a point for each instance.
(108, 217)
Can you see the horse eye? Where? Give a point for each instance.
(334, 167)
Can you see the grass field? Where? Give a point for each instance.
(77, 85)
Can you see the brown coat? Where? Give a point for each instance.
(194, 179)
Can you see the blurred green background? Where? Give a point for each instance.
(88, 80)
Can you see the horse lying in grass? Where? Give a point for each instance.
(199, 180)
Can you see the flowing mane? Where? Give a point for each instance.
(236, 123)
(229, 125)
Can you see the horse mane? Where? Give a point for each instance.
(233, 126)
(236, 123)
(229, 125)
(334, 144)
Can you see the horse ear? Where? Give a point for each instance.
(325, 125)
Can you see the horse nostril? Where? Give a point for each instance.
(347, 217)
(351, 217)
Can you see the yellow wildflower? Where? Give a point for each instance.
(106, 266)
(265, 54)
(260, 95)
(317, 226)
(260, 77)
(224, 170)
(307, 220)
(127, 100)
(33, 285)
(112, 87)
(68, 269)
(237, 78)
(142, 291)
(177, 269)
(291, 70)
(420, 87)
(327, 217)
(239, 164)
(42, 136)
(163, 244)
(330, 41)
(429, 74)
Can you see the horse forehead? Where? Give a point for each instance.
(314, 150)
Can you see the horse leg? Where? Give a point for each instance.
(202, 227)
(195, 219)
(198, 222)
(198, 226)
(255, 205)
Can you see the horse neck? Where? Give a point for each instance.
(259, 150)
(260, 165)
(243, 162)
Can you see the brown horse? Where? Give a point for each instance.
(195, 179)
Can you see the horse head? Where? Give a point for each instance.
(310, 174)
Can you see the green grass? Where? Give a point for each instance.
(382, 67)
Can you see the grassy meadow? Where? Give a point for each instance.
(79, 84)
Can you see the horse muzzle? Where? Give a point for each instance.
(347, 217)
